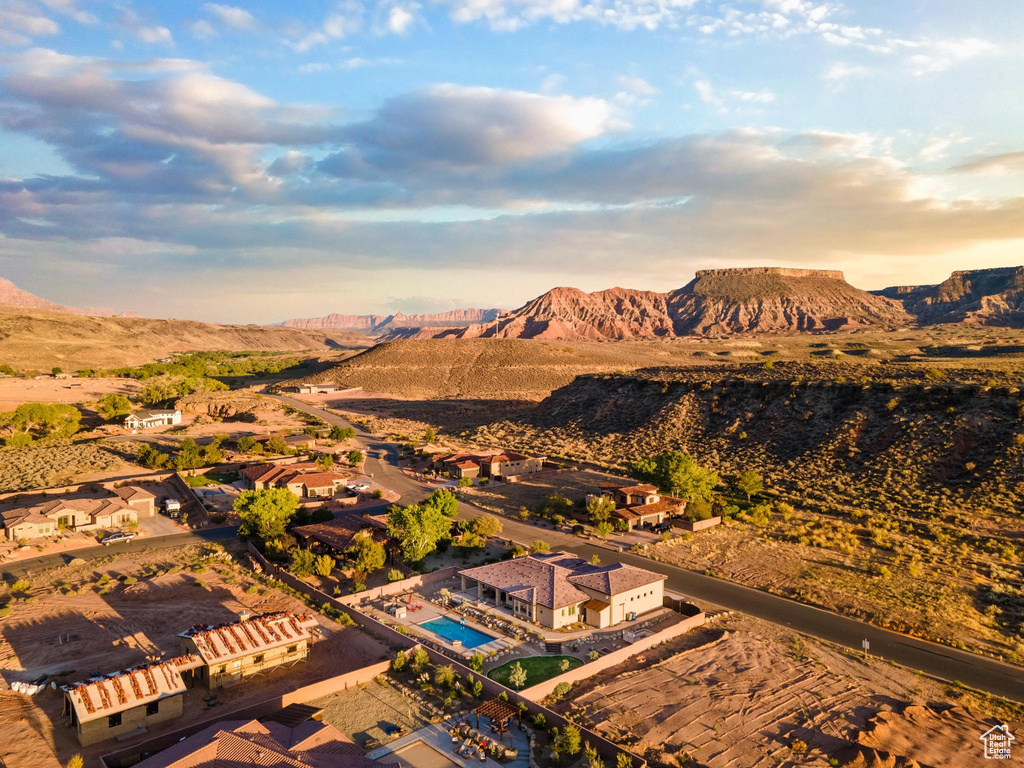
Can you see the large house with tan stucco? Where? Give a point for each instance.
(36, 517)
(559, 589)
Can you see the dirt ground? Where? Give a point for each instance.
(363, 712)
(508, 498)
(938, 599)
(756, 695)
(74, 624)
(14, 391)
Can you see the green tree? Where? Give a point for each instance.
(56, 370)
(246, 443)
(623, 760)
(566, 741)
(540, 546)
(150, 457)
(264, 514)
(212, 454)
(365, 554)
(603, 529)
(43, 419)
(468, 543)
(303, 562)
(591, 757)
(277, 445)
(465, 482)
(18, 440)
(189, 456)
(325, 462)
(324, 565)
(342, 433)
(600, 509)
(476, 662)
(420, 659)
(75, 761)
(556, 504)
(676, 473)
(429, 435)
(444, 675)
(113, 406)
(517, 676)
(750, 483)
(398, 663)
(563, 665)
(355, 458)
(419, 527)
(485, 526)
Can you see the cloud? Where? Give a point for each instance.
(156, 35)
(20, 23)
(231, 16)
(399, 20)
(1004, 163)
(722, 101)
(69, 8)
(636, 85)
(203, 30)
(940, 55)
(512, 15)
(841, 71)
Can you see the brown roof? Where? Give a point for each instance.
(315, 479)
(232, 743)
(263, 473)
(341, 532)
(131, 688)
(667, 505)
(36, 510)
(617, 578)
(534, 578)
(596, 605)
(130, 492)
(638, 489)
(242, 637)
(467, 465)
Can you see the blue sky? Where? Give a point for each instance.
(258, 161)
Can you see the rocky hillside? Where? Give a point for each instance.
(379, 325)
(32, 340)
(717, 302)
(11, 297)
(977, 296)
(905, 445)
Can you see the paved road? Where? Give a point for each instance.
(936, 660)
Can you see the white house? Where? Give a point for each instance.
(152, 418)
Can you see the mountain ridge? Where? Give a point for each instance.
(380, 324)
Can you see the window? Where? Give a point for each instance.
(292, 648)
(152, 708)
(114, 720)
(222, 669)
(258, 658)
(572, 610)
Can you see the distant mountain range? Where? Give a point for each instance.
(13, 296)
(718, 302)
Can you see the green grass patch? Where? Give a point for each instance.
(538, 669)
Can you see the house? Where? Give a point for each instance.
(639, 504)
(249, 646)
(295, 442)
(37, 517)
(304, 479)
(498, 465)
(107, 707)
(149, 419)
(306, 744)
(336, 536)
(316, 389)
(559, 589)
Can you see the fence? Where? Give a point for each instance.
(609, 660)
(696, 525)
(265, 708)
(608, 750)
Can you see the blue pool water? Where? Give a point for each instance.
(453, 630)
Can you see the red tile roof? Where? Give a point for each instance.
(242, 637)
(130, 688)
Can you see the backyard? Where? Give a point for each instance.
(537, 668)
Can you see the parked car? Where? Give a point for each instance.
(662, 527)
(116, 537)
(362, 487)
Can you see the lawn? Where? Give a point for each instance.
(196, 481)
(538, 669)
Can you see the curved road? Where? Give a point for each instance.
(936, 660)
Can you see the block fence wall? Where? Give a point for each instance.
(608, 750)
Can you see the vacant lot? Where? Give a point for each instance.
(15, 391)
(365, 712)
(98, 617)
(510, 498)
(757, 695)
(63, 462)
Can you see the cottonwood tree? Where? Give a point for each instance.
(419, 527)
(264, 514)
(750, 483)
(485, 526)
(676, 473)
(325, 462)
(600, 509)
(366, 554)
(113, 406)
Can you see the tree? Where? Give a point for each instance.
(539, 546)
(398, 664)
(566, 741)
(603, 529)
(563, 665)
(623, 760)
(324, 565)
(212, 454)
(485, 526)
(355, 458)
(18, 440)
(593, 759)
(113, 406)
(150, 457)
(43, 419)
(277, 445)
(429, 435)
(468, 543)
(419, 527)
(56, 370)
(595, 559)
(342, 433)
(263, 515)
(303, 562)
(750, 483)
(676, 473)
(600, 508)
(366, 554)
(556, 504)
(75, 761)
(325, 462)
(420, 659)
(246, 444)
(476, 662)
(444, 675)
(517, 676)
(189, 456)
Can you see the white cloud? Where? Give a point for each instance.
(20, 23)
(841, 71)
(721, 101)
(155, 35)
(552, 83)
(511, 15)
(203, 30)
(636, 85)
(231, 16)
(69, 8)
(399, 20)
(763, 96)
(940, 55)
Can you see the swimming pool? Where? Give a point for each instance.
(453, 630)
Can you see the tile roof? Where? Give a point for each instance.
(37, 510)
(638, 488)
(235, 743)
(130, 688)
(665, 506)
(129, 492)
(341, 532)
(552, 579)
(242, 637)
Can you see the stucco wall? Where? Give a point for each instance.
(95, 731)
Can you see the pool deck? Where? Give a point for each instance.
(437, 736)
(429, 611)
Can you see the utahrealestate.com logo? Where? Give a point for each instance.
(997, 741)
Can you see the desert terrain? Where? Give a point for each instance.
(81, 619)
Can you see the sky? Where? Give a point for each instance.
(260, 161)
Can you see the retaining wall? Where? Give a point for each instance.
(696, 525)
